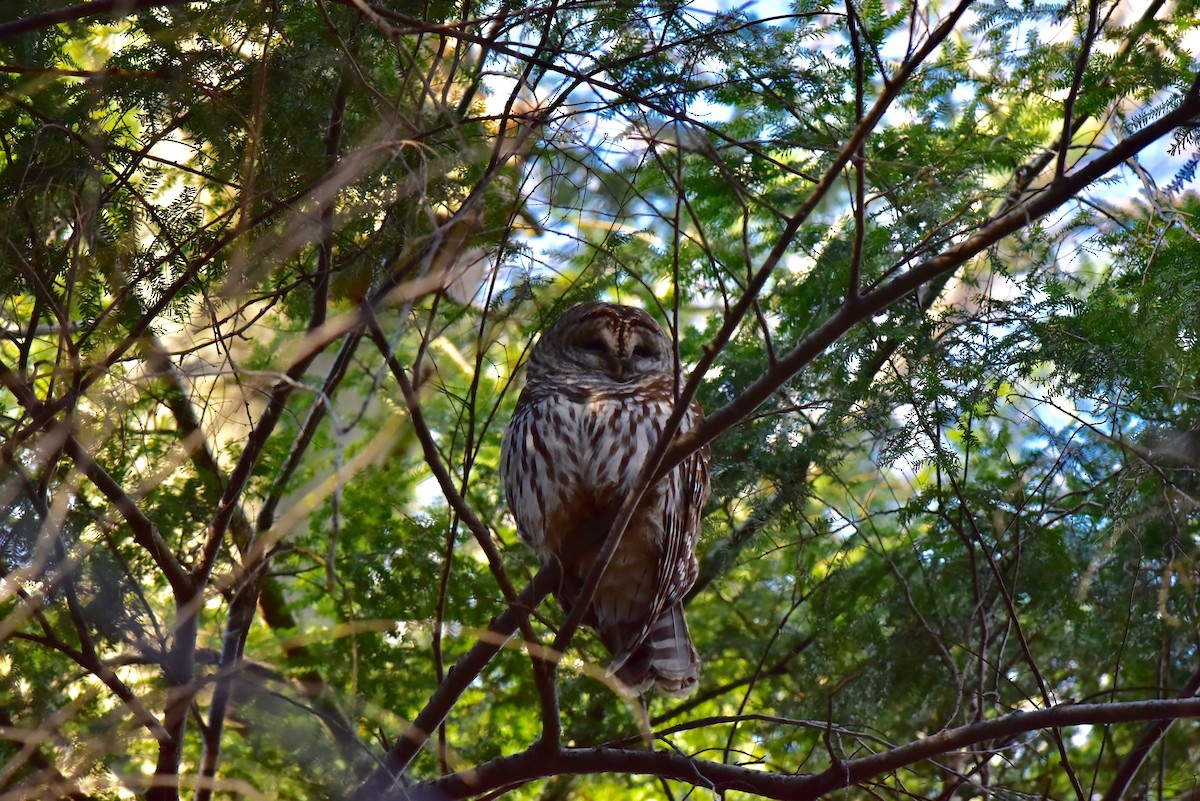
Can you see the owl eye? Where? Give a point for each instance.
(643, 352)
(594, 346)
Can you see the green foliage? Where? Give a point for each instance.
(233, 551)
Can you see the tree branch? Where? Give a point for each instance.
(543, 675)
(465, 671)
(1137, 755)
(50, 780)
(720, 778)
(94, 8)
(875, 301)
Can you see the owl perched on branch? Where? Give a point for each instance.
(601, 383)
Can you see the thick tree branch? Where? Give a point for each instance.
(720, 778)
(94, 8)
(1081, 62)
(145, 532)
(875, 301)
(1150, 737)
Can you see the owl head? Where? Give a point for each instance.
(603, 342)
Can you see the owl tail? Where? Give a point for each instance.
(666, 657)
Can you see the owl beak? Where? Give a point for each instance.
(620, 368)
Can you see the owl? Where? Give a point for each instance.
(600, 385)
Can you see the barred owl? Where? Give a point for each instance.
(600, 385)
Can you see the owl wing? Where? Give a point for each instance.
(682, 507)
(523, 454)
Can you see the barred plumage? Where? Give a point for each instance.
(600, 385)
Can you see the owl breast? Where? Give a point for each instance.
(565, 460)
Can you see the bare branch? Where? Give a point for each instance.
(719, 777)
(95, 8)
(1150, 737)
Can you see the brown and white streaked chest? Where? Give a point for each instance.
(566, 458)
